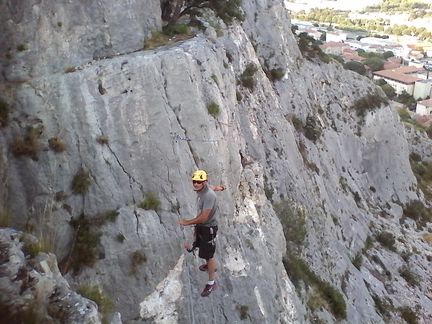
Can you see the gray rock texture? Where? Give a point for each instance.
(32, 288)
(298, 140)
(46, 37)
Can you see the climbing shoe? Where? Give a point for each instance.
(203, 267)
(208, 289)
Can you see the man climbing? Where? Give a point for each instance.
(205, 225)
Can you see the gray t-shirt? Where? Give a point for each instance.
(207, 200)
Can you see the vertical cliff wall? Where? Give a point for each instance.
(139, 123)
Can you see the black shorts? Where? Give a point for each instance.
(205, 240)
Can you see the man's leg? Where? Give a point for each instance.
(211, 264)
(211, 284)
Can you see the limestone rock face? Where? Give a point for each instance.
(32, 288)
(136, 125)
(46, 37)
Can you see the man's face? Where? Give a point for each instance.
(198, 185)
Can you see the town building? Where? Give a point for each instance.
(335, 36)
(424, 107)
(413, 80)
(335, 48)
(422, 89)
(401, 79)
(352, 55)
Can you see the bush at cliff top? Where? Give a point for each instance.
(227, 10)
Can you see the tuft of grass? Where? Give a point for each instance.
(316, 301)
(239, 96)
(410, 277)
(369, 243)
(387, 240)
(417, 211)
(243, 311)
(293, 220)
(215, 79)
(157, 39)
(137, 259)
(169, 35)
(382, 307)
(247, 78)
(81, 182)
(406, 118)
(86, 247)
(297, 123)
(357, 260)
(29, 145)
(57, 144)
(120, 237)
(111, 215)
(176, 29)
(277, 74)
(408, 315)
(368, 103)
(309, 47)
(21, 47)
(213, 109)
(104, 302)
(33, 249)
(102, 139)
(151, 201)
(4, 113)
(298, 270)
(312, 131)
(423, 173)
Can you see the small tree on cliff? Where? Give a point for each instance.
(227, 10)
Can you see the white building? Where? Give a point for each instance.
(401, 79)
(336, 36)
(424, 107)
(422, 89)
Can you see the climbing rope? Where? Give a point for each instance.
(191, 311)
(176, 137)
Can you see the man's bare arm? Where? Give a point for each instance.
(218, 188)
(201, 218)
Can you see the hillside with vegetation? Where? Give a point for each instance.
(376, 18)
(341, 20)
(397, 6)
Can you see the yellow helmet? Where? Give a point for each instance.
(199, 175)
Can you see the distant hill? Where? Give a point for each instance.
(298, 5)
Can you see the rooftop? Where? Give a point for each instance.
(334, 45)
(426, 103)
(401, 74)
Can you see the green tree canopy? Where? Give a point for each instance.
(405, 98)
(375, 63)
(227, 10)
(356, 67)
(387, 54)
(388, 90)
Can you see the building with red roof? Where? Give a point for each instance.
(403, 78)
